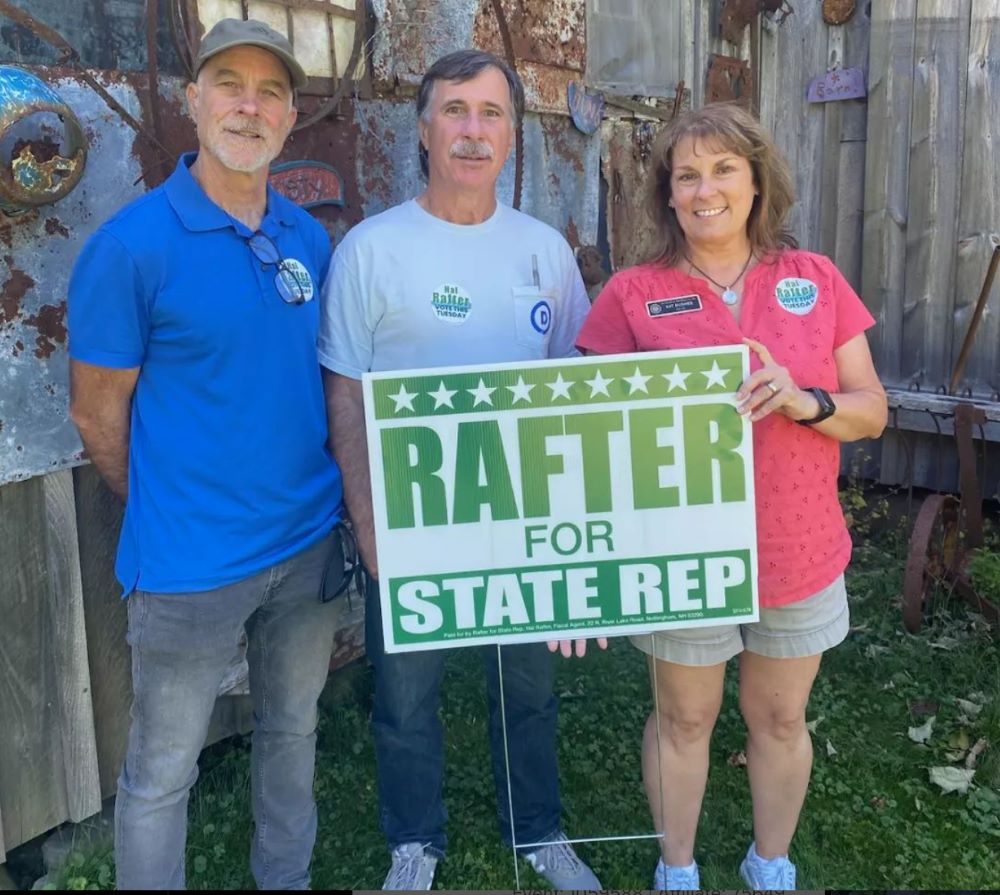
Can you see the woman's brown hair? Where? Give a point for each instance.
(726, 127)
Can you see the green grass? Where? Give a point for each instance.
(872, 819)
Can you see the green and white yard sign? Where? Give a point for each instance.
(584, 497)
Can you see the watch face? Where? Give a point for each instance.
(826, 406)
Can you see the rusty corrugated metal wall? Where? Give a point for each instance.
(372, 144)
(66, 706)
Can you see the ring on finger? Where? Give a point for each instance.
(774, 390)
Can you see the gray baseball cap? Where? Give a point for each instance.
(228, 33)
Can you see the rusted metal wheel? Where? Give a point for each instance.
(934, 551)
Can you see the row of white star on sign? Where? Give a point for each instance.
(521, 391)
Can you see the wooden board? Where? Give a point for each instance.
(845, 132)
(64, 598)
(847, 245)
(99, 515)
(627, 172)
(48, 767)
(829, 163)
(935, 153)
(887, 178)
(979, 217)
(791, 55)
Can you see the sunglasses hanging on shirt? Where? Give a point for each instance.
(285, 280)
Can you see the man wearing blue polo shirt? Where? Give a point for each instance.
(197, 393)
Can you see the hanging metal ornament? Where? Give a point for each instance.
(836, 12)
(43, 149)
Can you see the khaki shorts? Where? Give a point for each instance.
(803, 628)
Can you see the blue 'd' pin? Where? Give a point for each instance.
(541, 317)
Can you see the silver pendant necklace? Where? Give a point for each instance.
(729, 295)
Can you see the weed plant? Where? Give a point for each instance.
(872, 819)
(984, 567)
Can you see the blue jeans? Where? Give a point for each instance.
(181, 645)
(409, 743)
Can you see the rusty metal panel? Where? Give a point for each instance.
(410, 34)
(550, 33)
(547, 38)
(372, 144)
(626, 162)
(36, 256)
(729, 80)
(386, 166)
(561, 174)
(107, 34)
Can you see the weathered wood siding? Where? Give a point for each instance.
(932, 208)
(979, 209)
(823, 142)
(65, 670)
(48, 753)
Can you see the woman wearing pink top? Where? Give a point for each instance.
(719, 196)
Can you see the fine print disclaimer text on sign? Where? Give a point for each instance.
(580, 497)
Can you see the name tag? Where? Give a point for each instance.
(683, 304)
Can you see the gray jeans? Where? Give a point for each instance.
(181, 645)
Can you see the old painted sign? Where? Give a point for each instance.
(308, 184)
(841, 83)
(557, 499)
(585, 108)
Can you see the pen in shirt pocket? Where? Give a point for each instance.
(534, 272)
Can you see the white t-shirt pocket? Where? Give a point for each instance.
(534, 310)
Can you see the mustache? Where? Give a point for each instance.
(471, 149)
(245, 126)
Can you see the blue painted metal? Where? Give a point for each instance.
(586, 108)
(32, 113)
(37, 252)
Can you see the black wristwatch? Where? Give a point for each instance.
(826, 406)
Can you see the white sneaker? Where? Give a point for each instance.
(412, 868)
(670, 878)
(770, 873)
(561, 866)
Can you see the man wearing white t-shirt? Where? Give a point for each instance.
(452, 278)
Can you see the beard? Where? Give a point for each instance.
(241, 151)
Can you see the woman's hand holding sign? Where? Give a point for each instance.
(771, 388)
